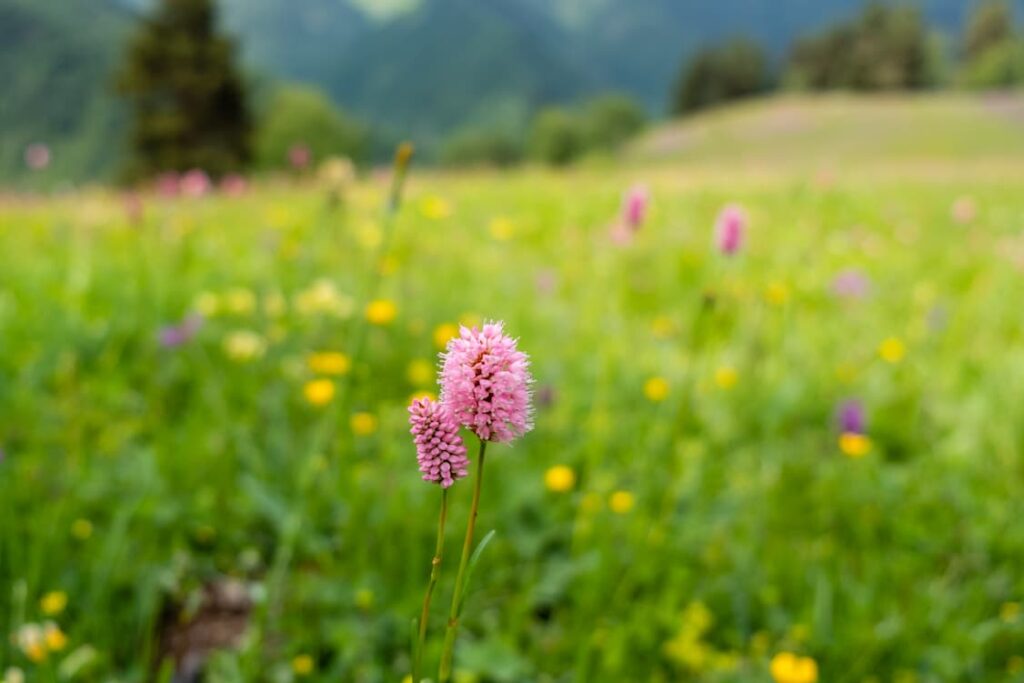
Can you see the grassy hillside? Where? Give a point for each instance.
(836, 130)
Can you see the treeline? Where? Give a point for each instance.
(192, 109)
(885, 48)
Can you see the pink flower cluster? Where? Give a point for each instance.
(730, 229)
(485, 386)
(485, 382)
(439, 448)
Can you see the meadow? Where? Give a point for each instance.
(203, 421)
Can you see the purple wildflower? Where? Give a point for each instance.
(173, 336)
(850, 417)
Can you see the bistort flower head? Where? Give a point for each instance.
(634, 207)
(485, 383)
(730, 229)
(439, 448)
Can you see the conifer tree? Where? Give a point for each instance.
(188, 100)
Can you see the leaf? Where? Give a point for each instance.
(473, 559)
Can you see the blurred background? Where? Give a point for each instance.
(468, 82)
(765, 256)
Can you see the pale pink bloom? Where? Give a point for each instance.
(730, 229)
(299, 157)
(851, 284)
(964, 210)
(195, 183)
(133, 208)
(168, 184)
(634, 207)
(233, 185)
(439, 448)
(485, 383)
(37, 156)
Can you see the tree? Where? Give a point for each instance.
(611, 120)
(715, 75)
(990, 25)
(886, 48)
(189, 101)
(557, 136)
(304, 116)
(482, 147)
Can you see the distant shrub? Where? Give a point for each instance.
(1000, 66)
(989, 26)
(297, 115)
(557, 136)
(611, 120)
(482, 147)
(715, 75)
(885, 48)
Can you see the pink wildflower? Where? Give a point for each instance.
(634, 207)
(485, 383)
(168, 184)
(439, 448)
(233, 185)
(37, 156)
(729, 229)
(299, 156)
(195, 183)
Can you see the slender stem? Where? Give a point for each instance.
(448, 650)
(435, 573)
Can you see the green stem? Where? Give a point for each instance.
(435, 573)
(448, 650)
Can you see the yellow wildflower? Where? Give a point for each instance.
(854, 445)
(892, 350)
(363, 424)
(417, 395)
(787, 667)
(364, 598)
(302, 665)
(621, 502)
(420, 372)
(662, 327)
(369, 236)
(444, 332)
(726, 377)
(560, 478)
(207, 304)
(329, 363)
(381, 311)
(319, 392)
(54, 638)
(776, 294)
(81, 529)
(244, 345)
(1009, 611)
(435, 208)
(502, 228)
(323, 297)
(274, 304)
(53, 603)
(656, 389)
(31, 641)
(13, 675)
(1015, 665)
(240, 301)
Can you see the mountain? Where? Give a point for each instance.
(418, 68)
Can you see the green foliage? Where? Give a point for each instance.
(716, 75)
(612, 119)
(885, 48)
(299, 115)
(1000, 66)
(557, 136)
(990, 25)
(482, 148)
(135, 475)
(189, 103)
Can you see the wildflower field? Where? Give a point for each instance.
(789, 455)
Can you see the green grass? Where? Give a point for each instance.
(841, 130)
(751, 532)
